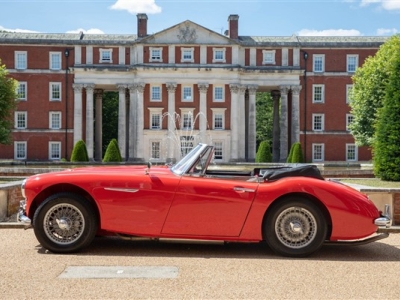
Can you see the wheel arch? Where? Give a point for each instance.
(309, 197)
(63, 188)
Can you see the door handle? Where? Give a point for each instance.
(243, 190)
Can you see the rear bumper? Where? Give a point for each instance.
(21, 217)
(384, 220)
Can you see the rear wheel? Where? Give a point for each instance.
(295, 227)
(65, 223)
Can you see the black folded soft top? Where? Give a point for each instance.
(304, 171)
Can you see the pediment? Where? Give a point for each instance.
(187, 32)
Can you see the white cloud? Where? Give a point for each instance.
(384, 31)
(385, 4)
(89, 31)
(329, 32)
(17, 30)
(137, 6)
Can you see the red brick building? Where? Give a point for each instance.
(180, 86)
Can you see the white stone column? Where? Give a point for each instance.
(241, 114)
(98, 149)
(295, 114)
(122, 120)
(171, 87)
(234, 88)
(139, 122)
(89, 120)
(77, 112)
(203, 88)
(284, 124)
(132, 121)
(251, 137)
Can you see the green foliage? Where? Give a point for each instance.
(79, 153)
(110, 118)
(369, 87)
(386, 149)
(295, 154)
(264, 152)
(264, 119)
(112, 153)
(8, 104)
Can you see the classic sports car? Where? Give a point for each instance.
(295, 210)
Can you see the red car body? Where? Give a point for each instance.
(161, 203)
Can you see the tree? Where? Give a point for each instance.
(386, 149)
(264, 152)
(264, 109)
(369, 85)
(79, 153)
(112, 153)
(8, 104)
(110, 118)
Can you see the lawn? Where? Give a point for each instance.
(373, 182)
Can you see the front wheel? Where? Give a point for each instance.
(295, 227)
(65, 223)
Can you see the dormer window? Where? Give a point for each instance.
(219, 55)
(155, 54)
(106, 55)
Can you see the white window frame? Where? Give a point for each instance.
(350, 67)
(219, 146)
(103, 58)
(215, 99)
(217, 51)
(22, 91)
(51, 85)
(186, 144)
(186, 112)
(314, 152)
(216, 112)
(153, 150)
(187, 98)
(55, 60)
(318, 58)
(21, 64)
(269, 57)
(152, 94)
(315, 86)
(349, 120)
(51, 157)
(16, 150)
(355, 149)
(155, 111)
(349, 87)
(187, 55)
(322, 118)
(23, 114)
(154, 58)
(51, 120)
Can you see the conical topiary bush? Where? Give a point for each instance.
(264, 152)
(79, 153)
(295, 154)
(112, 153)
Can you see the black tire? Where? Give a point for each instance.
(295, 227)
(65, 223)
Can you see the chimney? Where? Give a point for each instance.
(233, 22)
(141, 25)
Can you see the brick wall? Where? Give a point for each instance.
(396, 208)
(10, 196)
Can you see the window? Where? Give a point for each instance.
(187, 94)
(318, 122)
(318, 152)
(54, 150)
(155, 54)
(55, 91)
(218, 152)
(156, 93)
(352, 63)
(218, 94)
(187, 55)
(349, 88)
(318, 93)
(21, 90)
(269, 57)
(218, 118)
(349, 120)
(155, 150)
(218, 54)
(19, 150)
(54, 120)
(21, 60)
(20, 119)
(186, 144)
(106, 55)
(351, 152)
(187, 120)
(55, 60)
(318, 63)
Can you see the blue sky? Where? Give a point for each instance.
(256, 17)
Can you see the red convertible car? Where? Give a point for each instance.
(294, 210)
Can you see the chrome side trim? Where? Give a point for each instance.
(122, 190)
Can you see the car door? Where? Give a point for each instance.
(205, 206)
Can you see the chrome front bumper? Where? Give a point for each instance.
(21, 217)
(384, 220)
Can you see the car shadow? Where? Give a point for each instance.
(113, 246)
